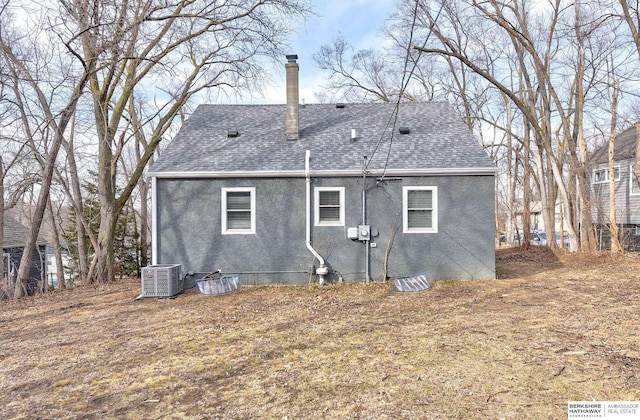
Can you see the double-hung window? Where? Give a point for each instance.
(238, 211)
(420, 209)
(329, 209)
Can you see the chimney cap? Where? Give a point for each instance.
(292, 57)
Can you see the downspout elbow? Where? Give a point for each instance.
(315, 254)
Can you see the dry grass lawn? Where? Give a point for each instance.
(552, 328)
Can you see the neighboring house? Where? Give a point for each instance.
(15, 236)
(627, 189)
(536, 219)
(52, 265)
(275, 193)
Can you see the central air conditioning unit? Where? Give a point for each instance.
(161, 281)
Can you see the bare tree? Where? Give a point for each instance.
(188, 47)
(25, 72)
(2, 218)
(162, 54)
(550, 45)
(73, 191)
(631, 17)
(358, 76)
(141, 143)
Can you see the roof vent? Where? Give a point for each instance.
(233, 133)
(404, 130)
(340, 105)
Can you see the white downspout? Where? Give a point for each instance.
(321, 271)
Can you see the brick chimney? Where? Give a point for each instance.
(293, 101)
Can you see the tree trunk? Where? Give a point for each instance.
(106, 234)
(616, 247)
(144, 222)
(526, 193)
(636, 164)
(511, 176)
(57, 249)
(143, 185)
(76, 197)
(578, 163)
(24, 270)
(2, 223)
(543, 181)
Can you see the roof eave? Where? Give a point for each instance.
(324, 173)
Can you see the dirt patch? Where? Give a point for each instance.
(551, 328)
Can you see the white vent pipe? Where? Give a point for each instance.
(321, 271)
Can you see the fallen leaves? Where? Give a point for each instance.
(552, 328)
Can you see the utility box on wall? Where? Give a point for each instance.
(161, 280)
(364, 232)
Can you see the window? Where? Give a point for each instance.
(420, 209)
(238, 211)
(602, 175)
(634, 186)
(329, 206)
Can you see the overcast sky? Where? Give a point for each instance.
(359, 22)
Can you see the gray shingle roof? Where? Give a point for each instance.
(624, 147)
(15, 234)
(438, 139)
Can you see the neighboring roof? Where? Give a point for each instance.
(438, 142)
(535, 207)
(15, 235)
(624, 147)
(51, 248)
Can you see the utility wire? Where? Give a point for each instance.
(394, 114)
(393, 119)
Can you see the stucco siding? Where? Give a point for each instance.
(189, 230)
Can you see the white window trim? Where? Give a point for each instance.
(616, 168)
(405, 210)
(595, 171)
(252, 193)
(631, 176)
(316, 200)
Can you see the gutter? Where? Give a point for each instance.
(324, 173)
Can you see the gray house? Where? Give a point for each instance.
(297, 193)
(627, 189)
(15, 236)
